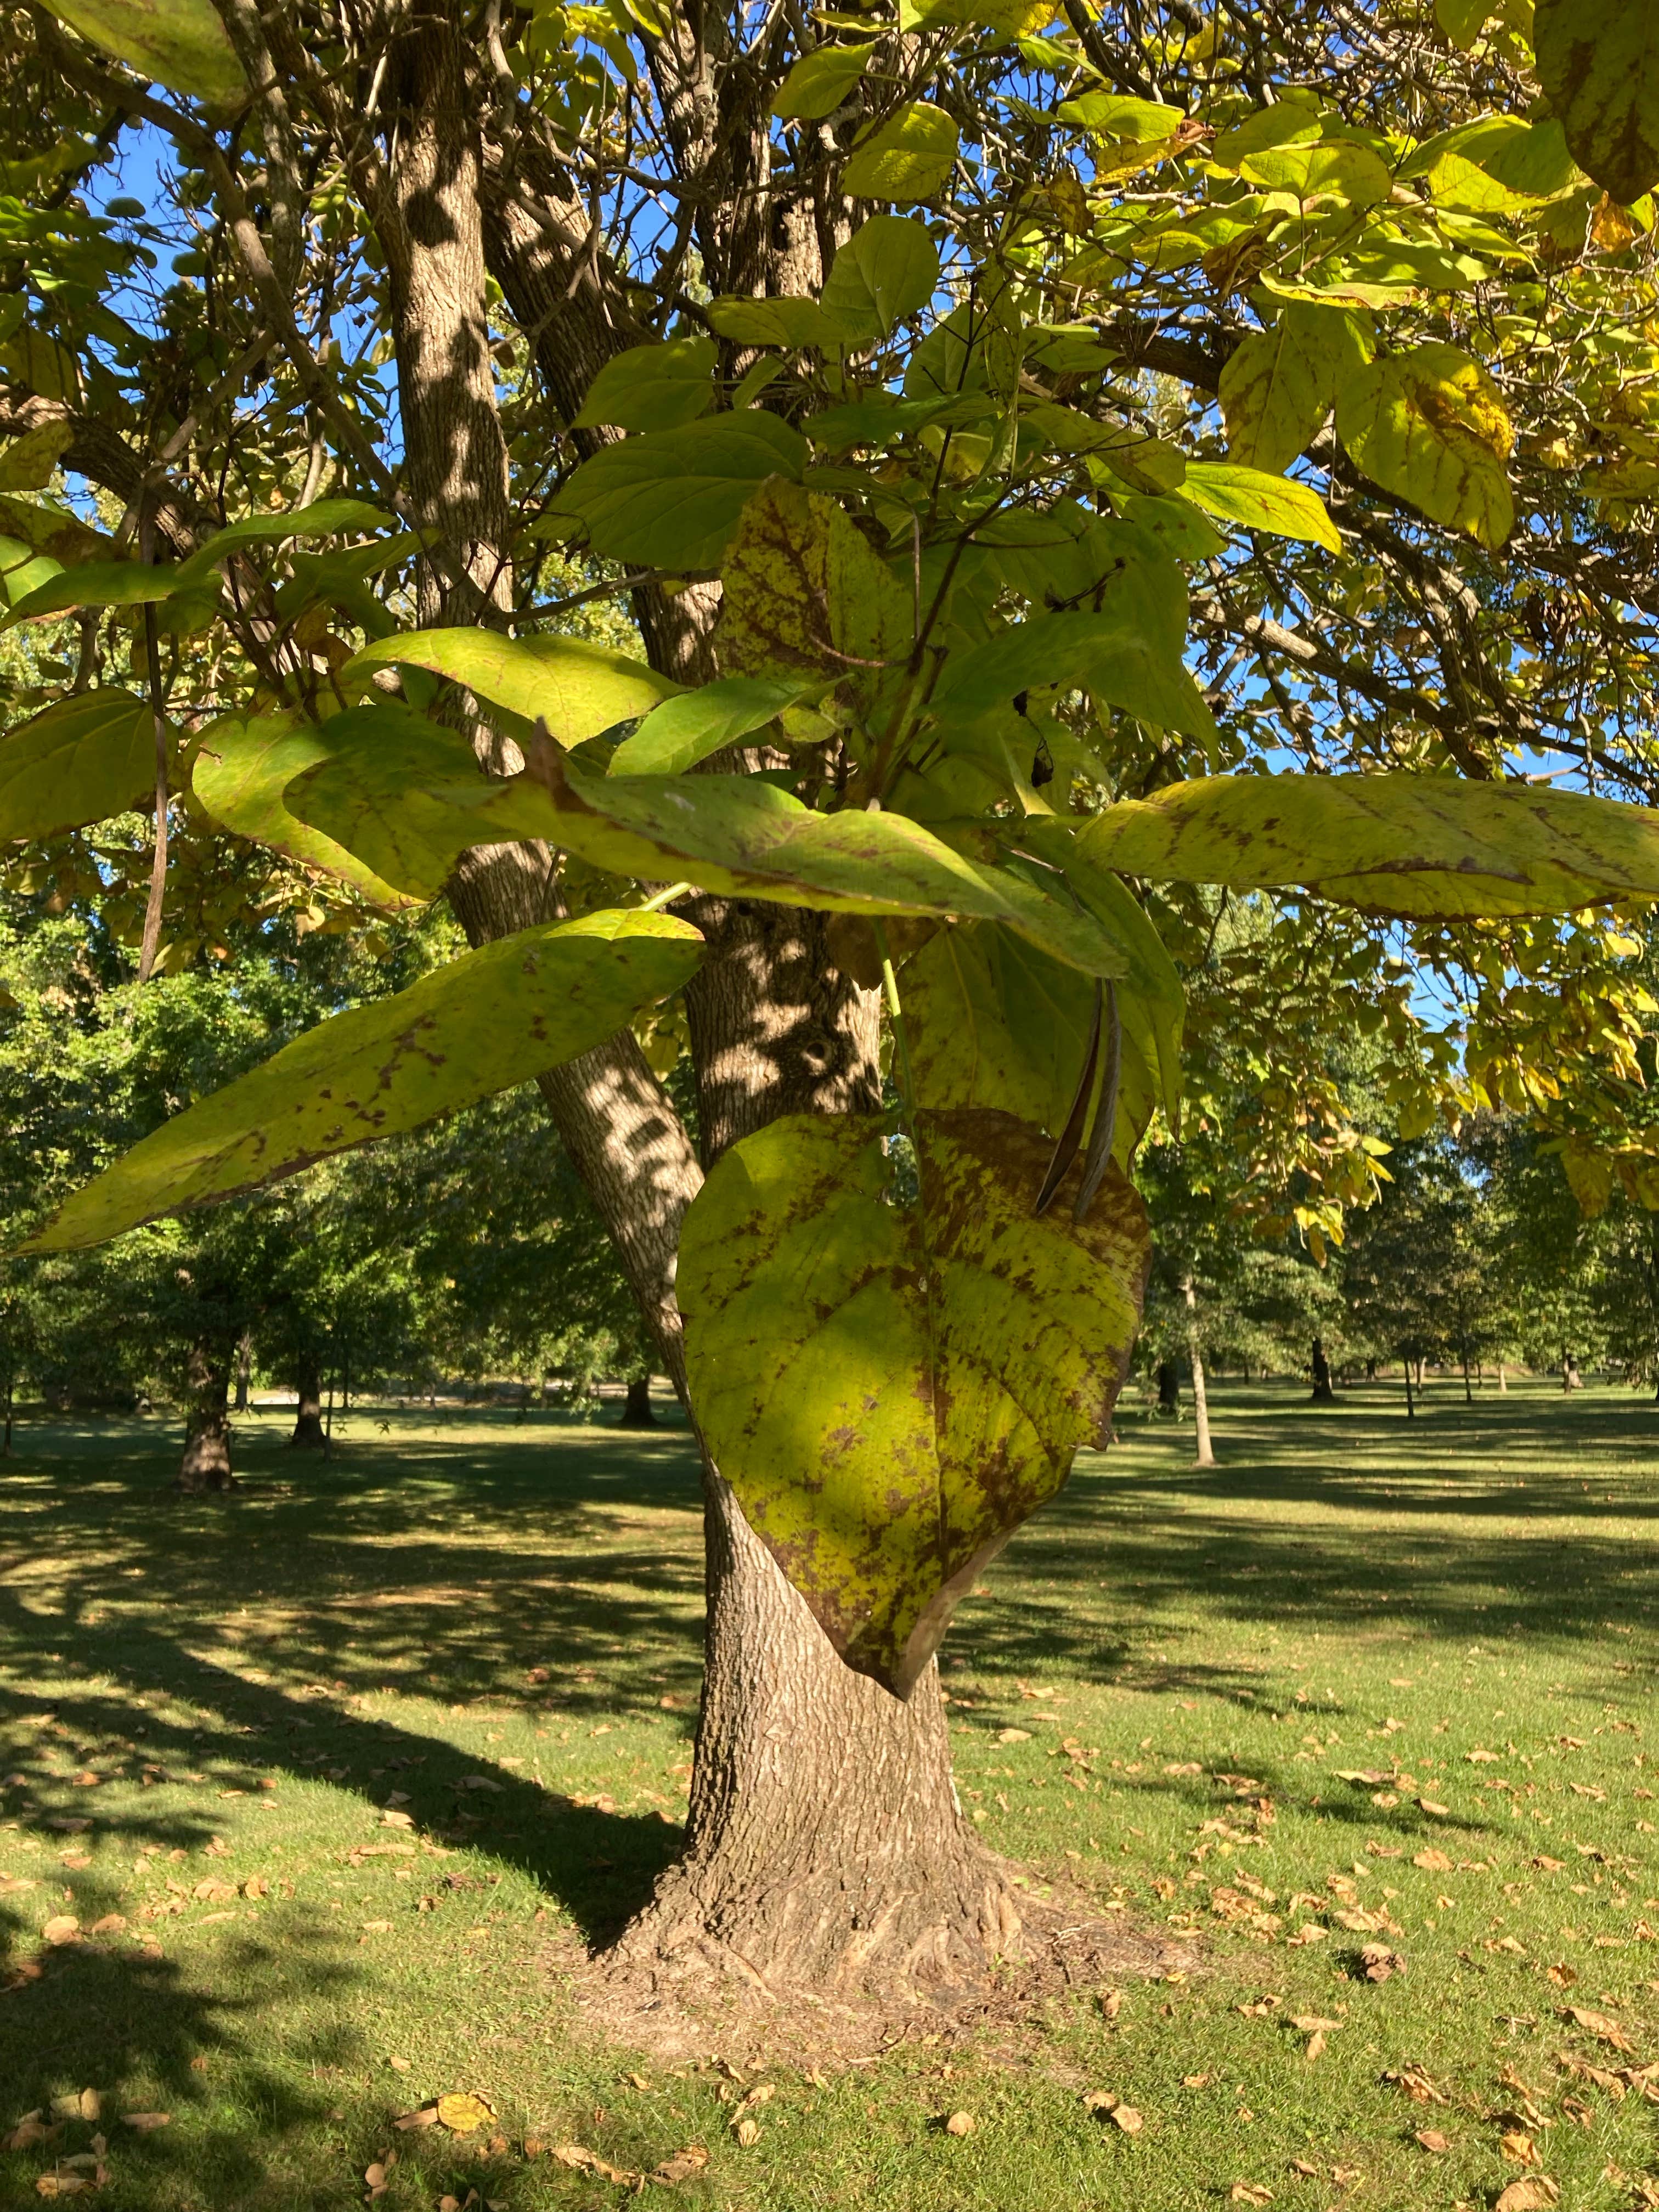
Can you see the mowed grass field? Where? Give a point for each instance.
(303, 1794)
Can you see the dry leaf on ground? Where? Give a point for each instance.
(1536, 2193)
(1598, 2025)
(1249, 2192)
(1379, 1964)
(589, 2161)
(683, 2165)
(960, 2124)
(79, 2105)
(747, 2132)
(423, 2116)
(1432, 2139)
(62, 1928)
(1434, 1861)
(1416, 2084)
(145, 2121)
(1520, 2147)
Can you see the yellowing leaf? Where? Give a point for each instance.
(491, 1019)
(462, 2111)
(240, 773)
(1598, 60)
(818, 83)
(1278, 384)
(1430, 426)
(1433, 847)
(908, 158)
(1272, 504)
(892, 1389)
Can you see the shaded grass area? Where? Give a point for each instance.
(352, 1754)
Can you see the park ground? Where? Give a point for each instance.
(308, 1794)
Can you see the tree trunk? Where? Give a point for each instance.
(1468, 1394)
(1169, 1388)
(1205, 1456)
(308, 1422)
(1411, 1409)
(1503, 1378)
(637, 1413)
(244, 1369)
(206, 1463)
(824, 1845)
(1322, 1392)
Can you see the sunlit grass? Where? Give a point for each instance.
(488, 1631)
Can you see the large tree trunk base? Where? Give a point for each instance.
(972, 1948)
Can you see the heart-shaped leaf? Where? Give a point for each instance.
(891, 1389)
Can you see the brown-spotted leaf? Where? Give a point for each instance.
(1433, 847)
(892, 1389)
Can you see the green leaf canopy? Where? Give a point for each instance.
(671, 499)
(891, 1390)
(1423, 847)
(577, 688)
(491, 1019)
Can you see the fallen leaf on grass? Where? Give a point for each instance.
(1249, 2192)
(683, 2165)
(1433, 1861)
(1378, 1963)
(1305, 2168)
(79, 2105)
(1309, 1932)
(1311, 2023)
(589, 2161)
(111, 1924)
(960, 2124)
(747, 2132)
(146, 2122)
(1114, 2108)
(1520, 2147)
(1432, 2139)
(62, 1928)
(29, 2130)
(1481, 1757)
(1549, 1865)
(1316, 2046)
(1598, 2025)
(461, 2112)
(423, 2116)
(1433, 1807)
(1416, 2084)
(64, 2184)
(1536, 2193)
(1013, 1735)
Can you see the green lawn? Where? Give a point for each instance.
(491, 1628)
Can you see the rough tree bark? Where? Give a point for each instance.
(206, 1462)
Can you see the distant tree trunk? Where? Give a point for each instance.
(1411, 1409)
(1502, 1379)
(637, 1413)
(1468, 1394)
(308, 1424)
(206, 1463)
(1168, 1387)
(1205, 1456)
(244, 1369)
(11, 1383)
(1322, 1393)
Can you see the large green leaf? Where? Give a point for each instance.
(243, 765)
(390, 788)
(744, 836)
(99, 584)
(891, 1389)
(323, 518)
(1278, 384)
(1427, 847)
(888, 269)
(491, 1019)
(577, 688)
(671, 499)
(89, 757)
(180, 44)
(908, 158)
(682, 732)
(652, 388)
(27, 463)
(789, 322)
(1108, 655)
(820, 80)
(1599, 62)
(52, 530)
(1430, 425)
(1259, 502)
(23, 570)
(1340, 176)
